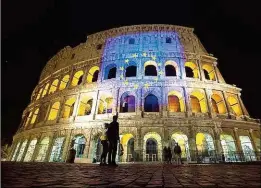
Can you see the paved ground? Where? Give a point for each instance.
(127, 175)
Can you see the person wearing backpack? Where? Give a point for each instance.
(177, 151)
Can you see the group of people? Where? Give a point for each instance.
(168, 154)
(109, 140)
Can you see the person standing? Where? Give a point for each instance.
(169, 155)
(104, 142)
(177, 151)
(113, 138)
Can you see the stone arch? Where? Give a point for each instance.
(68, 107)
(43, 147)
(171, 68)
(150, 68)
(105, 103)
(157, 137)
(85, 105)
(198, 102)
(93, 74)
(205, 144)
(45, 89)
(229, 147)
(209, 71)
(151, 103)
(124, 141)
(54, 86)
(77, 78)
(127, 102)
(176, 104)
(131, 70)
(234, 104)
(110, 71)
(247, 148)
(191, 69)
(218, 104)
(30, 150)
(54, 111)
(182, 139)
(64, 82)
(78, 143)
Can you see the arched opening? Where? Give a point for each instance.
(96, 144)
(218, 104)
(53, 86)
(34, 116)
(43, 147)
(21, 152)
(229, 148)
(68, 108)
(45, 89)
(151, 103)
(93, 74)
(198, 102)
(130, 150)
(247, 148)
(182, 140)
(64, 82)
(233, 102)
(57, 150)
(54, 111)
(205, 147)
(150, 68)
(209, 71)
(191, 70)
(28, 118)
(105, 104)
(30, 151)
(151, 150)
(110, 72)
(127, 142)
(174, 105)
(39, 94)
(170, 70)
(85, 107)
(77, 78)
(127, 103)
(15, 152)
(78, 143)
(131, 71)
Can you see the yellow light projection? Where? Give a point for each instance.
(218, 104)
(198, 102)
(91, 74)
(182, 140)
(85, 106)
(68, 108)
(105, 104)
(150, 63)
(176, 102)
(174, 64)
(34, 116)
(210, 70)
(54, 111)
(77, 78)
(64, 82)
(194, 68)
(45, 89)
(233, 102)
(53, 86)
(28, 118)
(39, 94)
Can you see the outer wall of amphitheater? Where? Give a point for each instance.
(165, 87)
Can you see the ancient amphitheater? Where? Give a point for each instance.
(162, 82)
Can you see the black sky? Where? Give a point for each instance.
(34, 31)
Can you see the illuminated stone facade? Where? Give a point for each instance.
(163, 83)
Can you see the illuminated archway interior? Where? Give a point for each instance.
(247, 148)
(79, 145)
(176, 102)
(218, 104)
(191, 70)
(64, 82)
(182, 140)
(198, 102)
(205, 145)
(229, 147)
(85, 106)
(155, 137)
(77, 78)
(56, 154)
(233, 102)
(53, 87)
(93, 74)
(30, 150)
(105, 104)
(125, 143)
(127, 103)
(54, 111)
(209, 71)
(68, 107)
(150, 68)
(42, 149)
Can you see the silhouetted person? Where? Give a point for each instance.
(71, 157)
(177, 151)
(165, 154)
(113, 137)
(169, 155)
(105, 145)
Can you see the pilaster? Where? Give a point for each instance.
(187, 102)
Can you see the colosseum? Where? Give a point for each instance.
(164, 86)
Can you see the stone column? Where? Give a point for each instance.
(215, 69)
(187, 102)
(95, 104)
(217, 143)
(17, 153)
(192, 145)
(201, 72)
(71, 78)
(142, 101)
(209, 103)
(138, 146)
(229, 110)
(85, 74)
(26, 148)
(50, 146)
(115, 96)
(66, 145)
(238, 145)
(164, 109)
(182, 69)
(252, 138)
(76, 106)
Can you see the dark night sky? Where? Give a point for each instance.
(34, 31)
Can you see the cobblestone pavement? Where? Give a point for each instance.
(129, 175)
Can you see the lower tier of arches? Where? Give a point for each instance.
(210, 143)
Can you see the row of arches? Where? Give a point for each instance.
(77, 79)
(128, 104)
(151, 149)
(171, 69)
